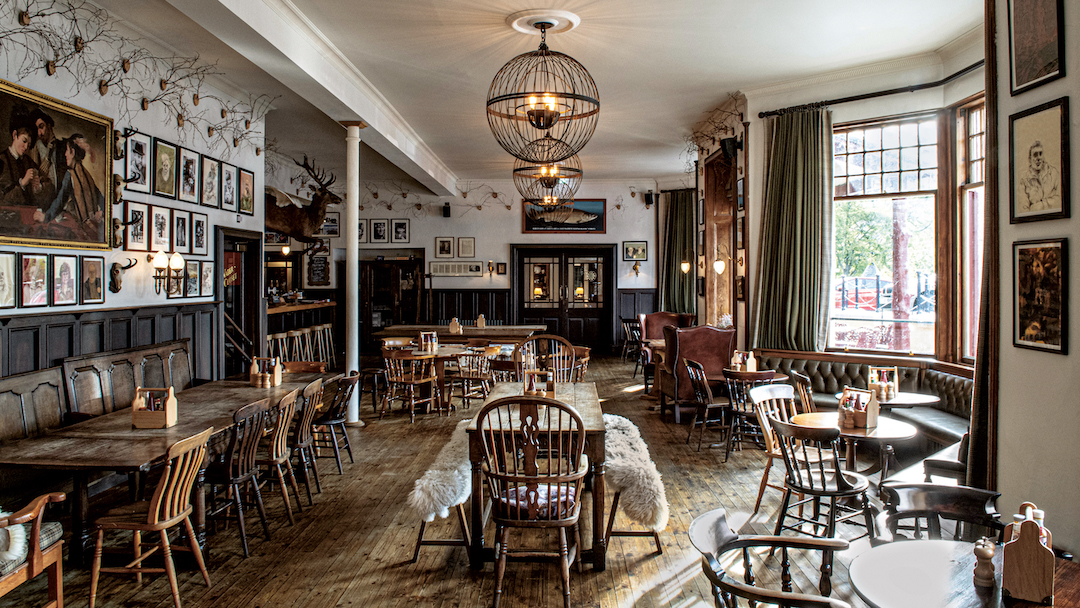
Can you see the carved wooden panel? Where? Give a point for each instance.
(31, 403)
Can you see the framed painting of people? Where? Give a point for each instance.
(165, 162)
(33, 280)
(55, 172)
(200, 234)
(137, 226)
(190, 176)
(160, 229)
(91, 279)
(444, 246)
(1040, 295)
(363, 231)
(228, 187)
(8, 282)
(65, 280)
(1039, 162)
(192, 279)
(1036, 43)
(399, 231)
(136, 160)
(380, 231)
(181, 234)
(635, 251)
(211, 182)
(206, 283)
(247, 192)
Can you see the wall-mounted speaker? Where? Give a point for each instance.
(446, 209)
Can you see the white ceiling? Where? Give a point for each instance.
(659, 66)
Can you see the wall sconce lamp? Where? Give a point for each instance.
(685, 266)
(286, 250)
(719, 264)
(168, 271)
(637, 268)
(491, 267)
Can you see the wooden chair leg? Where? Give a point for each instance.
(763, 485)
(419, 543)
(564, 566)
(170, 569)
(196, 551)
(315, 469)
(285, 493)
(502, 534)
(137, 549)
(238, 503)
(55, 572)
(95, 568)
(348, 444)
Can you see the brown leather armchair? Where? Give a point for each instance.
(710, 346)
(652, 327)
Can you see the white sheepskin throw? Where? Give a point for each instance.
(12, 541)
(449, 480)
(631, 471)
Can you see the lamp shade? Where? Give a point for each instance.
(719, 266)
(550, 182)
(161, 261)
(685, 266)
(176, 261)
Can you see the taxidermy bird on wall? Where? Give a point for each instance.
(290, 215)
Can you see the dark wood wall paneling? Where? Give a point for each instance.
(633, 302)
(494, 304)
(32, 342)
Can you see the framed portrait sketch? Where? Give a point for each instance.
(8, 279)
(65, 278)
(160, 229)
(330, 226)
(1036, 43)
(587, 216)
(1039, 163)
(633, 251)
(165, 162)
(206, 282)
(740, 233)
(380, 231)
(741, 204)
(500, 268)
(137, 230)
(192, 279)
(275, 238)
(70, 151)
(466, 247)
(211, 182)
(1040, 295)
(444, 246)
(190, 176)
(136, 177)
(399, 231)
(181, 234)
(200, 234)
(33, 280)
(363, 232)
(228, 187)
(247, 192)
(91, 279)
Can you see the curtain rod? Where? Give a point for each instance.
(909, 89)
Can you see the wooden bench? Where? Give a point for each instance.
(105, 382)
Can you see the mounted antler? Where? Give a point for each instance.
(319, 175)
(290, 216)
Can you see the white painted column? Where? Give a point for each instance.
(352, 260)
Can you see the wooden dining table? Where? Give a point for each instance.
(443, 354)
(497, 334)
(887, 431)
(109, 443)
(582, 397)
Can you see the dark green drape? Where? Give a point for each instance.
(796, 229)
(676, 288)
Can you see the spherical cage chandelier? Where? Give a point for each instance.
(549, 183)
(543, 92)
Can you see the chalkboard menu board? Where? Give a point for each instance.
(318, 271)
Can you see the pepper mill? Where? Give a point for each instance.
(984, 565)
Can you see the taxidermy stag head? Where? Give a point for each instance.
(301, 222)
(116, 274)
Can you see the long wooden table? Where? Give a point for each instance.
(110, 443)
(582, 397)
(509, 334)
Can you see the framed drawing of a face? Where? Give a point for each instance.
(228, 187)
(211, 182)
(199, 234)
(65, 271)
(247, 192)
(190, 176)
(137, 232)
(1039, 162)
(380, 231)
(399, 231)
(92, 280)
(137, 160)
(8, 279)
(160, 229)
(181, 231)
(33, 280)
(164, 168)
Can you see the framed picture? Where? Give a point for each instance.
(399, 231)
(740, 233)
(211, 182)
(137, 230)
(1036, 43)
(160, 229)
(583, 216)
(701, 242)
(330, 226)
(635, 251)
(500, 268)
(741, 203)
(700, 211)
(136, 177)
(444, 246)
(91, 279)
(206, 283)
(380, 231)
(74, 222)
(1039, 163)
(192, 279)
(65, 278)
(181, 234)
(363, 232)
(275, 238)
(466, 247)
(200, 234)
(247, 192)
(740, 288)
(228, 187)
(190, 176)
(8, 279)
(701, 287)
(165, 161)
(34, 280)
(1040, 295)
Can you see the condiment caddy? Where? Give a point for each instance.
(539, 383)
(858, 409)
(265, 372)
(1027, 571)
(153, 408)
(743, 361)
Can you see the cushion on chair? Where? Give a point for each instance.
(565, 497)
(51, 531)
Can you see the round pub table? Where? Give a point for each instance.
(887, 431)
(905, 399)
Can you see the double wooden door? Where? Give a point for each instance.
(569, 289)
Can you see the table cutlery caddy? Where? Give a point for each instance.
(265, 372)
(153, 408)
(1027, 571)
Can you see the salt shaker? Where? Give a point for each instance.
(984, 565)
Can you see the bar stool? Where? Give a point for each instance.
(299, 344)
(328, 339)
(318, 344)
(277, 345)
(378, 383)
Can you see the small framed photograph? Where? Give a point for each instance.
(500, 268)
(33, 280)
(164, 168)
(1036, 43)
(444, 246)
(1039, 163)
(200, 234)
(1040, 295)
(65, 271)
(740, 288)
(228, 187)
(181, 234)
(211, 182)
(701, 287)
(380, 231)
(137, 230)
(160, 229)
(635, 251)
(740, 233)
(206, 283)
(137, 178)
(701, 211)
(741, 202)
(466, 247)
(330, 226)
(192, 279)
(190, 176)
(701, 242)
(8, 279)
(363, 231)
(247, 192)
(92, 280)
(399, 231)
(275, 238)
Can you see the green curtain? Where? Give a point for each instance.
(677, 289)
(796, 227)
